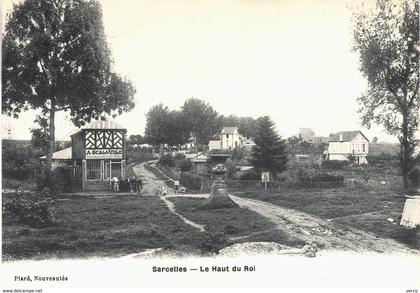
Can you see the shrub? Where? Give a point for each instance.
(185, 165)
(167, 160)
(230, 168)
(314, 175)
(334, 164)
(414, 176)
(250, 175)
(213, 242)
(190, 181)
(58, 182)
(35, 210)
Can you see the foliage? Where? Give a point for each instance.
(139, 156)
(230, 168)
(314, 175)
(167, 160)
(58, 182)
(414, 176)
(247, 126)
(19, 160)
(55, 58)
(185, 165)
(388, 42)
(35, 210)
(334, 164)
(250, 175)
(165, 127)
(213, 242)
(190, 181)
(269, 152)
(202, 120)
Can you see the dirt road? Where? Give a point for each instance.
(295, 223)
(310, 228)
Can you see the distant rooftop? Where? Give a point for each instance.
(346, 135)
(64, 154)
(103, 124)
(229, 130)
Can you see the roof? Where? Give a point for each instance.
(229, 130)
(103, 124)
(64, 154)
(200, 158)
(347, 135)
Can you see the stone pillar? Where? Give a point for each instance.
(411, 213)
(83, 173)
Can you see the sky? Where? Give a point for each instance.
(291, 60)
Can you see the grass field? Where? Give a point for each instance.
(365, 210)
(239, 224)
(110, 226)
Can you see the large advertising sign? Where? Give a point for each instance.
(104, 154)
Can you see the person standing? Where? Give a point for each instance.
(176, 186)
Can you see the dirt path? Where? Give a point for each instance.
(295, 223)
(150, 186)
(310, 228)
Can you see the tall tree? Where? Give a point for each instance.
(157, 120)
(201, 118)
(387, 40)
(56, 58)
(270, 151)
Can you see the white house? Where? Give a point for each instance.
(230, 138)
(346, 143)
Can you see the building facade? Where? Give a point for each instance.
(346, 143)
(97, 154)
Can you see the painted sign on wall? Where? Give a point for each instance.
(104, 154)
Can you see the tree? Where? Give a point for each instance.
(270, 152)
(165, 127)
(203, 121)
(387, 40)
(40, 136)
(156, 125)
(55, 58)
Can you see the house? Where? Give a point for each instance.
(346, 143)
(60, 158)
(97, 153)
(230, 138)
(189, 144)
(306, 134)
(215, 145)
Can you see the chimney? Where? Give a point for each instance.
(341, 137)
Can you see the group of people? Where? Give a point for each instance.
(163, 190)
(129, 184)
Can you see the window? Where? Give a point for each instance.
(116, 169)
(227, 135)
(93, 169)
(363, 146)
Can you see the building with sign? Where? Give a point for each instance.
(97, 154)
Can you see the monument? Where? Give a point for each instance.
(219, 197)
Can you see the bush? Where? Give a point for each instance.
(213, 242)
(58, 182)
(185, 165)
(414, 176)
(315, 175)
(334, 165)
(250, 175)
(190, 181)
(167, 160)
(35, 210)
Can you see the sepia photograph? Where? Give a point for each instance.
(210, 143)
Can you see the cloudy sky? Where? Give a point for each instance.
(291, 60)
